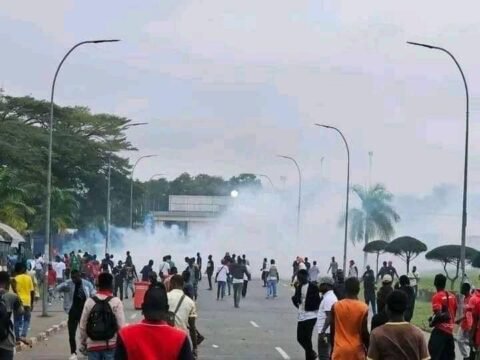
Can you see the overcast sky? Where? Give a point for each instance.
(227, 85)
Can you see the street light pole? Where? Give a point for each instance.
(268, 178)
(299, 192)
(465, 169)
(151, 178)
(48, 240)
(345, 241)
(131, 186)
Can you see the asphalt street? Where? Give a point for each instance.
(259, 329)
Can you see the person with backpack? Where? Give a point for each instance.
(221, 279)
(183, 310)
(76, 292)
(102, 317)
(272, 280)
(9, 303)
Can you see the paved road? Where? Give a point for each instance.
(259, 329)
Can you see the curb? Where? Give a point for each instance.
(42, 336)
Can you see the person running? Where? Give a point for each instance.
(349, 327)
(147, 270)
(153, 338)
(164, 268)
(12, 304)
(246, 278)
(465, 322)
(352, 270)
(368, 279)
(324, 318)
(131, 276)
(397, 339)
(221, 279)
(95, 322)
(237, 271)
(59, 267)
(444, 305)
(209, 271)
(307, 300)
(314, 272)
(76, 291)
(333, 268)
(404, 282)
(119, 274)
(273, 278)
(26, 292)
(414, 279)
(184, 310)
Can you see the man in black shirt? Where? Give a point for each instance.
(209, 271)
(147, 270)
(368, 279)
(199, 264)
(119, 272)
(107, 263)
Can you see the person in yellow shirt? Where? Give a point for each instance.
(26, 292)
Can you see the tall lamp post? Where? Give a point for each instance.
(345, 240)
(48, 240)
(268, 178)
(299, 191)
(151, 178)
(465, 169)
(109, 189)
(131, 186)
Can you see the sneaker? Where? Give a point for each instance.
(73, 357)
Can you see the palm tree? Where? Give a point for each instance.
(375, 218)
(13, 209)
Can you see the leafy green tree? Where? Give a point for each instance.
(407, 248)
(450, 255)
(376, 216)
(375, 247)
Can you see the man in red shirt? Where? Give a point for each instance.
(444, 305)
(465, 322)
(52, 282)
(474, 306)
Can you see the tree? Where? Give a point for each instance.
(407, 248)
(450, 255)
(376, 216)
(375, 247)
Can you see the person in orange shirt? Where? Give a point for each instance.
(349, 327)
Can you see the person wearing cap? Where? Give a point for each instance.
(386, 289)
(324, 317)
(307, 300)
(153, 338)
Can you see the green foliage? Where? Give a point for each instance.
(376, 246)
(407, 248)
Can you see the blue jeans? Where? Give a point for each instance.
(22, 322)
(272, 288)
(101, 355)
(220, 289)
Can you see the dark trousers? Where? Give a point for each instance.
(237, 290)
(304, 337)
(324, 347)
(220, 289)
(370, 298)
(72, 324)
(441, 345)
(118, 286)
(244, 288)
(209, 275)
(6, 354)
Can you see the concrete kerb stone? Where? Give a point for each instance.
(42, 336)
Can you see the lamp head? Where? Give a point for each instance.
(105, 41)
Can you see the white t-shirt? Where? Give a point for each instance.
(413, 278)
(302, 314)
(222, 272)
(302, 266)
(245, 276)
(186, 310)
(353, 271)
(59, 268)
(39, 263)
(326, 305)
(164, 268)
(313, 273)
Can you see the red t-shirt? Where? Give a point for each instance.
(474, 306)
(52, 278)
(439, 301)
(466, 323)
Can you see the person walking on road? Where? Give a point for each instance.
(313, 272)
(333, 268)
(119, 274)
(352, 270)
(147, 270)
(349, 327)
(246, 278)
(209, 271)
(221, 279)
(397, 339)
(23, 287)
(102, 317)
(368, 279)
(12, 304)
(128, 259)
(237, 271)
(199, 265)
(164, 268)
(295, 267)
(130, 276)
(76, 292)
(153, 338)
(444, 305)
(339, 287)
(307, 300)
(272, 280)
(264, 271)
(465, 322)
(324, 318)
(404, 282)
(414, 279)
(184, 310)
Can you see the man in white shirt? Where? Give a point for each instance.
(221, 278)
(59, 267)
(414, 278)
(246, 278)
(313, 272)
(164, 268)
(352, 270)
(324, 318)
(184, 309)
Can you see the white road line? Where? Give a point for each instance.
(254, 324)
(285, 285)
(133, 316)
(215, 346)
(282, 353)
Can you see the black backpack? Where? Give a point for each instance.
(101, 323)
(5, 323)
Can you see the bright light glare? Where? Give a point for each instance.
(234, 193)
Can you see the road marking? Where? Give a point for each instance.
(215, 346)
(133, 316)
(254, 324)
(285, 285)
(282, 353)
